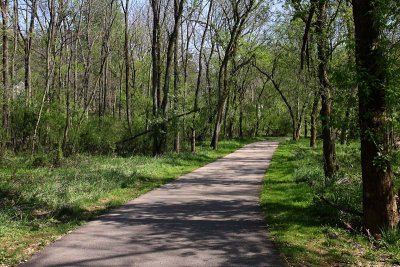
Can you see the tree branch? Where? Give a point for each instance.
(341, 208)
(152, 127)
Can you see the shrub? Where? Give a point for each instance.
(99, 136)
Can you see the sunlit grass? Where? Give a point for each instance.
(307, 232)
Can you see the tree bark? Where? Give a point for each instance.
(127, 67)
(198, 83)
(176, 100)
(15, 42)
(379, 202)
(313, 118)
(329, 149)
(6, 82)
(49, 67)
(156, 72)
(27, 55)
(305, 128)
(240, 18)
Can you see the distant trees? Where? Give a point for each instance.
(128, 70)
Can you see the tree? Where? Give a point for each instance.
(329, 149)
(199, 76)
(379, 203)
(6, 82)
(127, 65)
(27, 40)
(240, 13)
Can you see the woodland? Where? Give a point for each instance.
(101, 82)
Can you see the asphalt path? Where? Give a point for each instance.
(209, 217)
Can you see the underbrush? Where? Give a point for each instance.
(40, 202)
(316, 221)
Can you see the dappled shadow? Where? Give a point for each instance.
(210, 217)
(32, 209)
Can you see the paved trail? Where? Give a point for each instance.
(210, 217)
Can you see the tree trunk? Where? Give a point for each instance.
(223, 95)
(127, 67)
(241, 133)
(198, 83)
(15, 42)
(379, 202)
(6, 83)
(67, 104)
(230, 51)
(298, 130)
(27, 56)
(329, 150)
(313, 117)
(305, 129)
(156, 72)
(176, 95)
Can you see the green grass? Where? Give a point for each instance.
(307, 231)
(39, 204)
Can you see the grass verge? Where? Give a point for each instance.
(40, 204)
(307, 231)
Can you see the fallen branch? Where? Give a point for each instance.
(341, 208)
(156, 124)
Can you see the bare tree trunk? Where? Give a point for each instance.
(127, 67)
(161, 111)
(121, 74)
(305, 128)
(156, 72)
(176, 102)
(49, 68)
(176, 123)
(77, 32)
(207, 61)
(379, 202)
(313, 118)
(198, 83)
(15, 42)
(230, 51)
(6, 83)
(172, 42)
(223, 96)
(329, 150)
(27, 56)
(67, 101)
(241, 133)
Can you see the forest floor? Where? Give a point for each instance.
(40, 202)
(308, 231)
